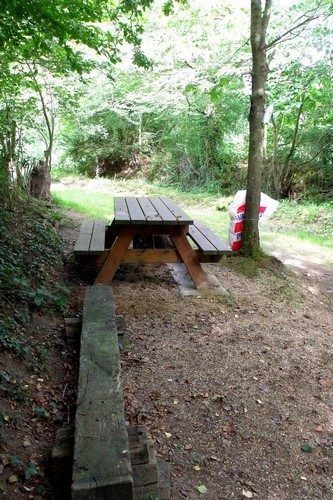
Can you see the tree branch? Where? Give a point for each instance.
(301, 21)
(266, 15)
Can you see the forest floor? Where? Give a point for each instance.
(234, 383)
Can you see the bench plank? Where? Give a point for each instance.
(83, 242)
(201, 241)
(97, 244)
(207, 241)
(102, 466)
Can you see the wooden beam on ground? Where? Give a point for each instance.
(102, 467)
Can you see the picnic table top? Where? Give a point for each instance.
(130, 210)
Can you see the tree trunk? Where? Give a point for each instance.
(259, 24)
(40, 179)
(288, 172)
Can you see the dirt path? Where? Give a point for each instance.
(234, 383)
(236, 387)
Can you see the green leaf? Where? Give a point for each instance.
(306, 448)
(202, 489)
(30, 471)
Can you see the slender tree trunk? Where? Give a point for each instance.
(40, 180)
(259, 24)
(288, 171)
(275, 164)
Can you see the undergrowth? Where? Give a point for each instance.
(29, 249)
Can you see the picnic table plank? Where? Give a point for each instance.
(165, 214)
(84, 238)
(97, 244)
(121, 214)
(150, 212)
(135, 211)
(180, 215)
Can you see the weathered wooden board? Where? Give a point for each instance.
(97, 244)
(135, 211)
(207, 240)
(179, 214)
(121, 214)
(102, 466)
(91, 239)
(150, 212)
(163, 211)
(83, 242)
(201, 241)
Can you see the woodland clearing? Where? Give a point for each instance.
(234, 383)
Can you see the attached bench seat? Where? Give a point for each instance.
(207, 242)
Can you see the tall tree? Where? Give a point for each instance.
(259, 23)
(52, 36)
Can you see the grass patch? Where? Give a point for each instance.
(94, 198)
(305, 229)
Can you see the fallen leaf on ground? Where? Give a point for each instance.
(12, 479)
(202, 489)
(306, 448)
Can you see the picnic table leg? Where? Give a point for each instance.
(114, 257)
(189, 258)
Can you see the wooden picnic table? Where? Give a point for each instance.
(148, 230)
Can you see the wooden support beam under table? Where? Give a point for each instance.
(115, 256)
(189, 257)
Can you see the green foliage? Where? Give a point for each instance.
(30, 471)
(11, 339)
(313, 218)
(42, 412)
(25, 260)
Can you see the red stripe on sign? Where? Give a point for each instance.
(238, 227)
(241, 209)
(237, 245)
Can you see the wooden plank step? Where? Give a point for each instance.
(151, 477)
(207, 241)
(102, 467)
